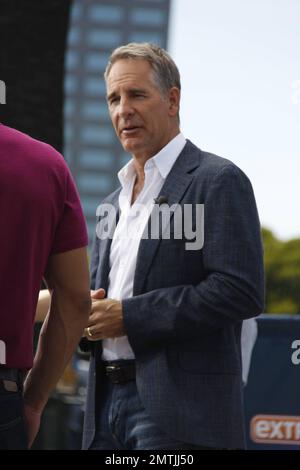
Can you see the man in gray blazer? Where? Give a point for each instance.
(178, 260)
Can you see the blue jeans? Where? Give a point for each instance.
(122, 422)
(12, 428)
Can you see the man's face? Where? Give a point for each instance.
(144, 119)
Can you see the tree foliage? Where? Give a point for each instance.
(282, 267)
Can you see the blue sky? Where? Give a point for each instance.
(240, 68)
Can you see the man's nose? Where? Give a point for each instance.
(125, 109)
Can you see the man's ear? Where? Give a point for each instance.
(174, 100)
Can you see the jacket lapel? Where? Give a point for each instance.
(105, 244)
(173, 189)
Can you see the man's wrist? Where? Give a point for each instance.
(33, 409)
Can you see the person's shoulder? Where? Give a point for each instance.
(19, 139)
(211, 165)
(20, 143)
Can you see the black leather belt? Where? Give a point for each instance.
(11, 379)
(119, 371)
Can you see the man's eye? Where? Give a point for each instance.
(113, 100)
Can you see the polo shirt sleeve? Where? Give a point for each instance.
(71, 232)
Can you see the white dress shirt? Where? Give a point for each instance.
(248, 338)
(129, 230)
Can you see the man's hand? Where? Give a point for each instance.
(106, 319)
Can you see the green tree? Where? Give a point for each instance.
(282, 267)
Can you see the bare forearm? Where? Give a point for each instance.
(42, 305)
(59, 337)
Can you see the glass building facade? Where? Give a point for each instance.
(91, 148)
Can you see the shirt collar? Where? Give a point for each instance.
(163, 160)
(127, 173)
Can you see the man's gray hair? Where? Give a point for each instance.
(166, 73)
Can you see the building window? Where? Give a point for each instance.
(69, 108)
(96, 61)
(94, 87)
(72, 60)
(71, 84)
(96, 159)
(69, 132)
(97, 135)
(151, 1)
(76, 11)
(92, 182)
(155, 38)
(148, 17)
(105, 14)
(74, 36)
(95, 110)
(110, 38)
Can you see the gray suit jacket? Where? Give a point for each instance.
(184, 319)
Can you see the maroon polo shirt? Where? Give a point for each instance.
(40, 216)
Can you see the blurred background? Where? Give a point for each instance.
(240, 70)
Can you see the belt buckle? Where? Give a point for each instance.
(10, 385)
(112, 368)
(113, 371)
